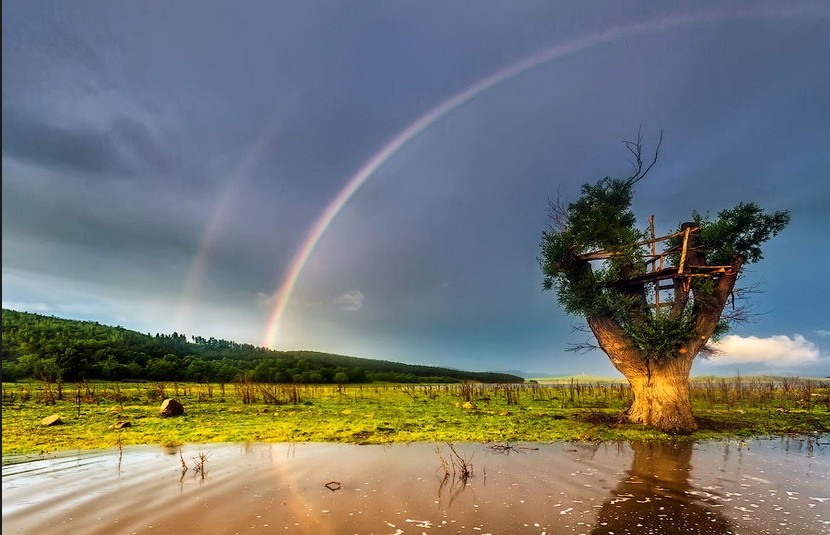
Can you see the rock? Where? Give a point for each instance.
(55, 419)
(171, 407)
(120, 424)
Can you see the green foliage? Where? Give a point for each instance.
(53, 349)
(739, 231)
(721, 330)
(601, 219)
(661, 337)
(341, 377)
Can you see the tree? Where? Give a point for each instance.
(341, 377)
(598, 263)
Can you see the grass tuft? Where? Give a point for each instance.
(382, 414)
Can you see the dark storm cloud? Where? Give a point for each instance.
(201, 141)
(123, 149)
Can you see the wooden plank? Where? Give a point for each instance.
(604, 254)
(671, 272)
(651, 229)
(657, 294)
(683, 252)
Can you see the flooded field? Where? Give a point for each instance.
(753, 487)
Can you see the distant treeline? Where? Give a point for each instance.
(57, 349)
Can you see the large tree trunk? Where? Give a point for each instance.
(661, 389)
(661, 397)
(661, 386)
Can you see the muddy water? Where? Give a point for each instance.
(759, 486)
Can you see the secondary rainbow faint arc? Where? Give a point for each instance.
(322, 223)
(220, 217)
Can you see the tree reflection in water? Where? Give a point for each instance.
(656, 496)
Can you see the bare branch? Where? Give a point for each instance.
(747, 291)
(656, 154)
(636, 148)
(708, 351)
(741, 314)
(742, 310)
(558, 213)
(584, 346)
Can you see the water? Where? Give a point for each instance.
(754, 487)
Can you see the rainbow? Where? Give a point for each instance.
(286, 287)
(221, 215)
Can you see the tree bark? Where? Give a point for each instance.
(662, 397)
(661, 388)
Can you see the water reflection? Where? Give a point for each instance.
(656, 496)
(762, 486)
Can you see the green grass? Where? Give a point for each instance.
(384, 413)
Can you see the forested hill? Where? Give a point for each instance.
(46, 347)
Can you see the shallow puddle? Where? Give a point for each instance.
(758, 486)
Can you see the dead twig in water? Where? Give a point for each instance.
(463, 466)
(507, 447)
(443, 462)
(199, 465)
(459, 467)
(120, 451)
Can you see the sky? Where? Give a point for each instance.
(372, 178)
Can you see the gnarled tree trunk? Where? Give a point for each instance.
(661, 386)
(662, 398)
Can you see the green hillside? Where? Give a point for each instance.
(51, 348)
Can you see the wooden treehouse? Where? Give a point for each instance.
(661, 271)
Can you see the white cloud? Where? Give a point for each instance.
(28, 306)
(822, 332)
(350, 301)
(57, 309)
(780, 350)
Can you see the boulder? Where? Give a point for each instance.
(55, 419)
(171, 407)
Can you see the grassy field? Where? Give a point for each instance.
(725, 408)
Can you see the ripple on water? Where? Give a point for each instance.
(761, 486)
